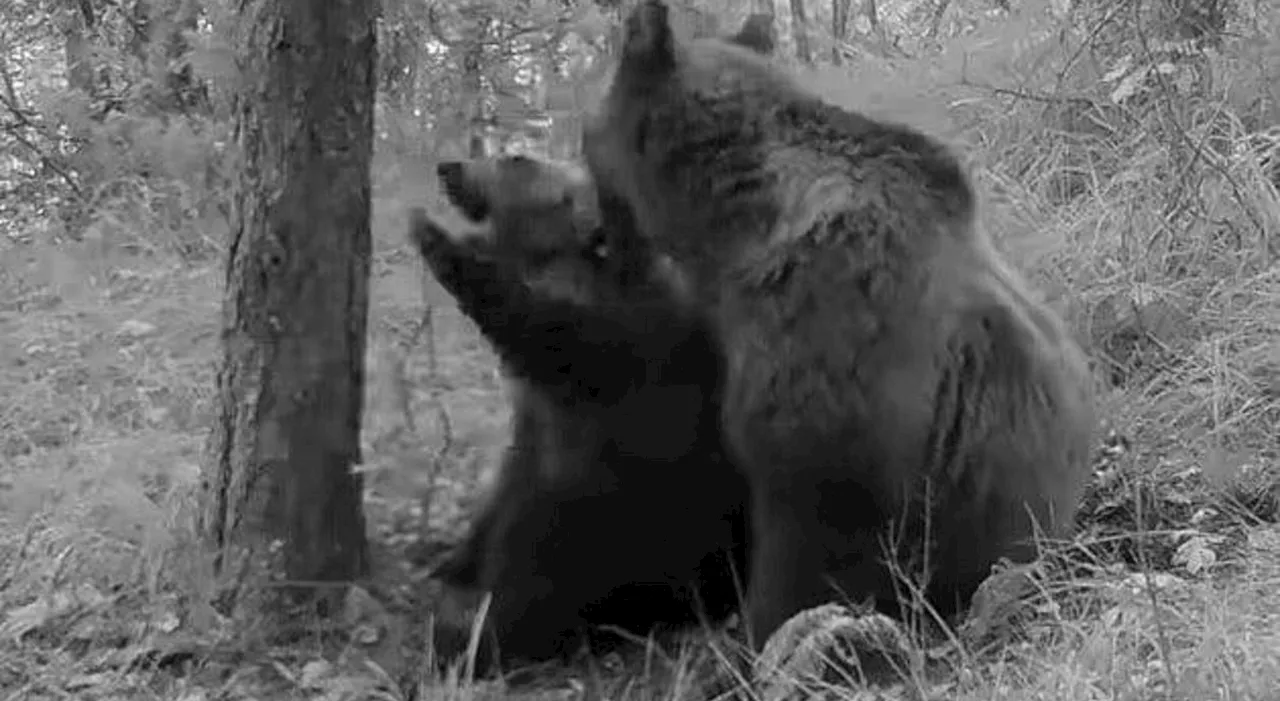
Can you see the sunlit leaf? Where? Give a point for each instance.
(1129, 86)
(1120, 69)
(591, 24)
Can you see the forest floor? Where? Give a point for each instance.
(107, 364)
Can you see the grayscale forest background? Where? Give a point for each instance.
(1128, 157)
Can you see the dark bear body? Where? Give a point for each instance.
(615, 504)
(889, 376)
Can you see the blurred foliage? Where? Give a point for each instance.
(1128, 154)
(1154, 124)
(114, 109)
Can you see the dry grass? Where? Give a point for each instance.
(1171, 588)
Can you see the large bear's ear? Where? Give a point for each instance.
(462, 190)
(648, 48)
(757, 34)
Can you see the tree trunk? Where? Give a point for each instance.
(280, 500)
(800, 28)
(935, 21)
(477, 133)
(840, 27)
(78, 24)
(872, 13)
(78, 19)
(878, 35)
(471, 115)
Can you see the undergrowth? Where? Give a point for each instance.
(1149, 218)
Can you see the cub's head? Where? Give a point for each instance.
(542, 218)
(522, 207)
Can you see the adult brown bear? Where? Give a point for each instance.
(615, 505)
(887, 373)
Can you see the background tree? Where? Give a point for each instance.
(280, 500)
(1128, 154)
(840, 26)
(800, 27)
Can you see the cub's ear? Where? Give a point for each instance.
(462, 190)
(757, 34)
(648, 49)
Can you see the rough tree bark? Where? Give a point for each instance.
(935, 22)
(800, 28)
(280, 502)
(840, 27)
(872, 13)
(78, 19)
(472, 67)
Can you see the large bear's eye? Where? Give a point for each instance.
(597, 245)
(640, 137)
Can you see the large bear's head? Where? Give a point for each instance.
(712, 146)
(682, 130)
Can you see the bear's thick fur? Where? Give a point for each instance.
(888, 373)
(615, 504)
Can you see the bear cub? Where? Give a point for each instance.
(615, 505)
